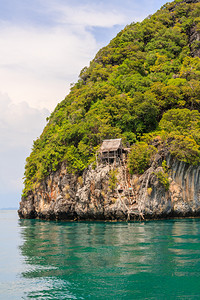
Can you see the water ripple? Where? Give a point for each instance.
(61, 260)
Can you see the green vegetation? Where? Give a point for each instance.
(183, 128)
(163, 176)
(148, 69)
(185, 148)
(140, 157)
(112, 179)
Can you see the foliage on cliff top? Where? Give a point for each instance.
(147, 69)
(140, 157)
(179, 131)
(183, 133)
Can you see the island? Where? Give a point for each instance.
(125, 142)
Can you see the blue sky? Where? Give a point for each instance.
(43, 46)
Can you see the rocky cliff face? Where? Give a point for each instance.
(93, 196)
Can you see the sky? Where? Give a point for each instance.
(44, 44)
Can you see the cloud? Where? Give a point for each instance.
(39, 62)
(20, 124)
(88, 15)
(38, 65)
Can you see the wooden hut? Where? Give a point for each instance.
(111, 150)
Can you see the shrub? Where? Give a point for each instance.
(180, 120)
(185, 148)
(112, 179)
(140, 157)
(163, 179)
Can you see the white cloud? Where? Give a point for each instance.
(20, 124)
(88, 15)
(38, 65)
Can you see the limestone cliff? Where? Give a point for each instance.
(91, 197)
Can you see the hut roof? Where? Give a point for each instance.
(111, 145)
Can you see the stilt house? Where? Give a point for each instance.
(111, 150)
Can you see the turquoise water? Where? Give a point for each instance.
(49, 260)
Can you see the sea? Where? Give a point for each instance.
(99, 260)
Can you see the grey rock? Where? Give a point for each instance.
(71, 197)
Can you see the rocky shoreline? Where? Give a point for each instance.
(64, 196)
